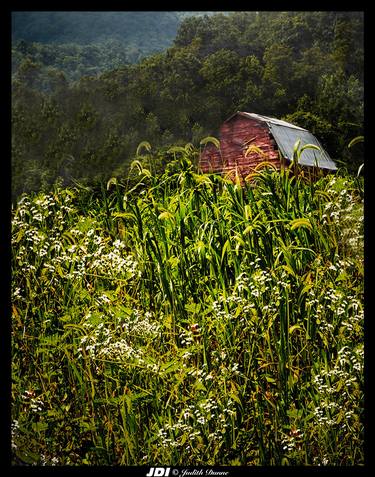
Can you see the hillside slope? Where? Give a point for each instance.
(148, 31)
(304, 67)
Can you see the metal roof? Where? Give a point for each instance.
(269, 120)
(287, 134)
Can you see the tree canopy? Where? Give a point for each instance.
(79, 110)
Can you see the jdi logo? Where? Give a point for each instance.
(158, 472)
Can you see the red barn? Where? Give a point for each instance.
(273, 141)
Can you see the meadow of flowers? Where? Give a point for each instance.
(189, 320)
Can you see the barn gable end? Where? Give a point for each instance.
(275, 138)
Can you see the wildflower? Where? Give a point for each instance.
(103, 299)
(16, 293)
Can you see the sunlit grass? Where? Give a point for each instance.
(189, 321)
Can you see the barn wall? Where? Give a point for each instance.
(235, 136)
(210, 160)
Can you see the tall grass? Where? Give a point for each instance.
(189, 321)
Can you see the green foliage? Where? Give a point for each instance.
(182, 318)
(83, 100)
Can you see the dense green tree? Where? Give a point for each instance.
(278, 78)
(348, 43)
(313, 64)
(321, 128)
(220, 70)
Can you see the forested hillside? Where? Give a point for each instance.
(140, 27)
(306, 67)
(89, 42)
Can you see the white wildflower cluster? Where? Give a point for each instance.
(331, 213)
(201, 374)
(97, 255)
(229, 370)
(353, 239)
(235, 299)
(112, 260)
(218, 356)
(178, 428)
(39, 209)
(218, 307)
(353, 323)
(342, 201)
(33, 233)
(140, 324)
(106, 341)
(352, 359)
(332, 307)
(340, 211)
(326, 329)
(249, 294)
(222, 367)
(102, 300)
(44, 460)
(14, 428)
(118, 350)
(60, 253)
(16, 293)
(312, 299)
(292, 441)
(319, 461)
(36, 405)
(260, 279)
(193, 422)
(186, 337)
(324, 412)
(31, 402)
(36, 210)
(336, 388)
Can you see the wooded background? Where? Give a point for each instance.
(88, 87)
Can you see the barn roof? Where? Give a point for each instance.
(287, 134)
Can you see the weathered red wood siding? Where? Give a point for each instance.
(235, 136)
(211, 160)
